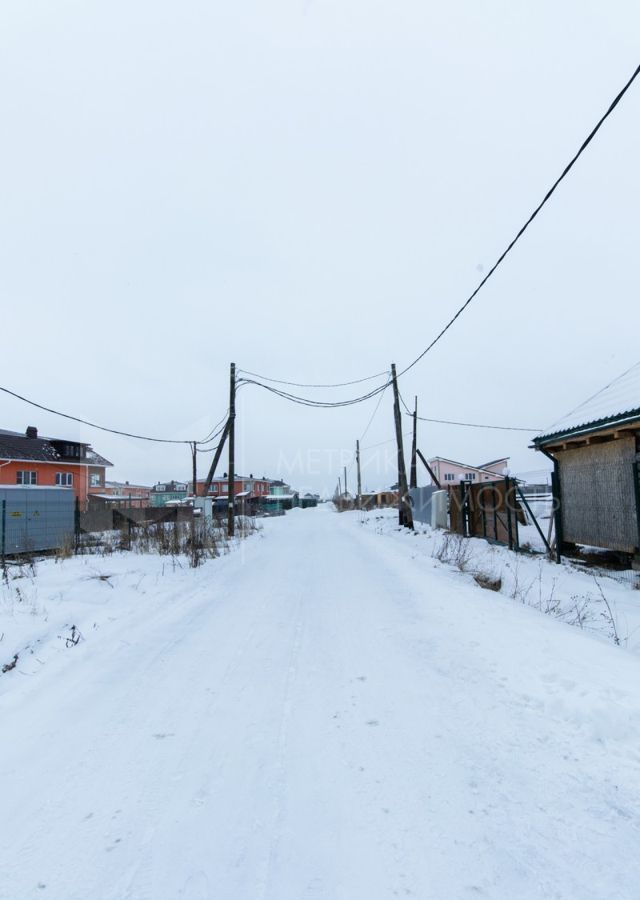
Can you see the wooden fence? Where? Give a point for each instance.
(489, 510)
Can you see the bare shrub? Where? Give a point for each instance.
(454, 549)
(67, 549)
(608, 615)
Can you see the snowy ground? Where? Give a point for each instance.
(326, 712)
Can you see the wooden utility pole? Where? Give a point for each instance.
(231, 522)
(194, 452)
(359, 478)
(216, 459)
(194, 472)
(405, 515)
(433, 475)
(413, 478)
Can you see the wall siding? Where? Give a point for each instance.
(598, 495)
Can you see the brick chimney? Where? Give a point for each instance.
(31, 432)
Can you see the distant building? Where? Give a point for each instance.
(32, 461)
(379, 499)
(167, 491)
(278, 488)
(448, 471)
(596, 453)
(247, 486)
(122, 493)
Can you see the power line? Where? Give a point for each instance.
(299, 384)
(404, 404)
(533, 215)
(369, 423)
(318, 404)
(375, 412)
(55, 412)
(382, 443)
(207, 449)
(476, 425)
(505, 252)
(215, 431)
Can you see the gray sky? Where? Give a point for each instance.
(310, 189)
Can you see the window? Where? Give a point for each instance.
(64, 479)
(26, 477)
(94, 480)
(469, 476)
(449, 476)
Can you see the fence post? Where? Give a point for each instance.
(534, 520)
(463, 510)
(76, 524)
(507, 487)
(3, 545)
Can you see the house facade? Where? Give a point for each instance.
(595, 451)
(167, 491)
(33, 461)
(123, 493)
(247, 486)
(448, 471)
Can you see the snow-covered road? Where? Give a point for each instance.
(319, 715)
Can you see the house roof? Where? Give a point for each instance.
(94, 459)
(465, 465)
(492, 462)
(18, 446)
(617, 402)
(14, 445)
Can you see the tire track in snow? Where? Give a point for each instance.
(280, 770)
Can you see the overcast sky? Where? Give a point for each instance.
(310, 189)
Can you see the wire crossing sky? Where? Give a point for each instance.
(314, 190)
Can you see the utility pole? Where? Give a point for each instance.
(359, 478)
(345, 483)
(194, 452)
(405, 515)
(232, 453)
(339, 487)
(413, 480)
(216, 459)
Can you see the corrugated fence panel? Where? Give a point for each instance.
(37, 518)
(421, 502)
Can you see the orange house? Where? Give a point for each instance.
(28, 460)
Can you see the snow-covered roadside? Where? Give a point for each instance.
(323, 712)
(601, 603)
(52, 608)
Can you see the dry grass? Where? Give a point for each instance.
(488, 582)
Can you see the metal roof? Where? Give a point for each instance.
(616, 403)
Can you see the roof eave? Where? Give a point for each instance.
(625, 418)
